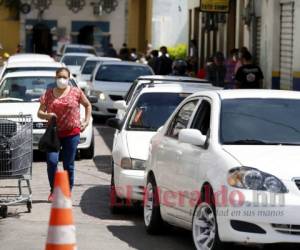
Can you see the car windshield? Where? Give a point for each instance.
(89, 67)
(26, 89)
(74, 60)
(260, 122)
(152, 110)
(80, 50)
(121, 73)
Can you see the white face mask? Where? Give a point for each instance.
(62, 83)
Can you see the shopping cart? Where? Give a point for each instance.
(15, 159)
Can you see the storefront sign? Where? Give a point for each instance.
(214, 5)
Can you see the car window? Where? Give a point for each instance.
(152, 110)
(89, 67)
(74, 60)
(202, 117)
(26, 89)
(181, 119)
(260, 121)
(80, 50)
(121, 73)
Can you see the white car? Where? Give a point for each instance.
(24, 59)
(74, 61)
(87, 68)
(111, 81)
(77, 48)
(225, 167)
(30, 66)
(143, 81)
(20, 93)
(150, 110)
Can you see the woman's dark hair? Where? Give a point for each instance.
(63, 69)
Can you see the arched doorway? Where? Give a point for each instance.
(86, 35)
(42, 39)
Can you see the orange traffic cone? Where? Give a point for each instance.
(61, 232)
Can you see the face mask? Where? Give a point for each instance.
(62, 83)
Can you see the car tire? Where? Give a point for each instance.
(152, 216)
(205, 227)
(89, 152)
(116, 205)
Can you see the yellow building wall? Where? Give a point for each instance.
(9, 32)
(139, 24)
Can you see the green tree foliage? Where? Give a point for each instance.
(178, 52)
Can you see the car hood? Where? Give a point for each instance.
(138, 144)
(26, 108)
(20, 108)
(281, 161)
(121, 87)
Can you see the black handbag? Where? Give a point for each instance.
(49, 142)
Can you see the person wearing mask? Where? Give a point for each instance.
(249, 76)
(164, 62)
(216, 71)
(179, 68)
(230, 69)
(62, 103)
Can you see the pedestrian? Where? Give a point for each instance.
(133, 54)
(164, 62)
(216, 70)
(230, 69)
(153, 61)
(63, 103)
(111, 52)
(19, 48)
(249, 76)
(179, 68)
(124, 53)
(239, 63)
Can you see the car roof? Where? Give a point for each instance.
(252, 93)
(30, 73)
(25, 57)
(78, 54)
(171, 78)
(35, 64)
(79, 46)
(176, 88)
(124, 63)
(102, 58)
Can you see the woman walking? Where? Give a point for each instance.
(63, 103)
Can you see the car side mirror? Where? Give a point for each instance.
(192, 136)
(93, 99)
(114, 123)
(120, 105)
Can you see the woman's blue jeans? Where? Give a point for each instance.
(68, 151)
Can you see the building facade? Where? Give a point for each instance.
(54, 22)
(9, 30)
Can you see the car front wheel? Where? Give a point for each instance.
(152, 217)
(205, 229)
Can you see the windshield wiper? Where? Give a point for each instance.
(249, 142)
(11, 99)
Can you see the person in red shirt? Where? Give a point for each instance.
(63, 102)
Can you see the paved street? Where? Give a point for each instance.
(96, 227)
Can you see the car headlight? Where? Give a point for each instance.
(253, 179)
(134, 164)
(99, 94)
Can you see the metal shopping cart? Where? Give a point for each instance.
(15, 159)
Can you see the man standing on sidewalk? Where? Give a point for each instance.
(249, 76)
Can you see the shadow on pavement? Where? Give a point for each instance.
(137, 238)
(95, 202)
(103, 163)
(107, 135)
